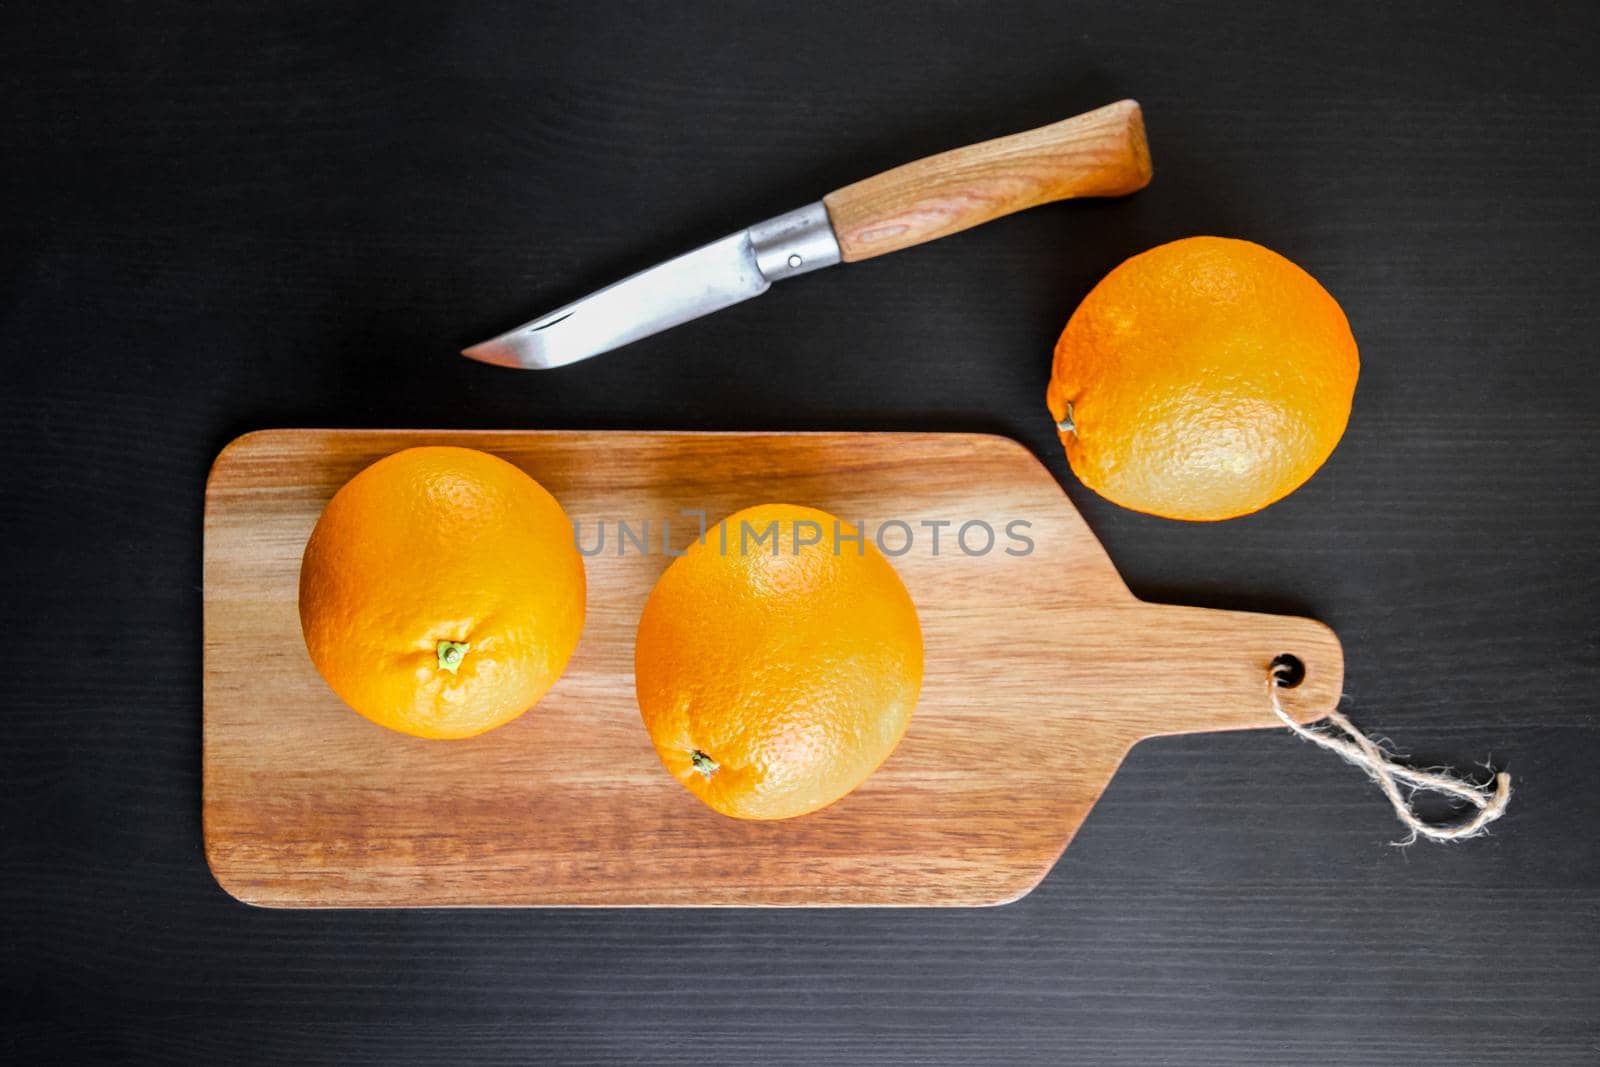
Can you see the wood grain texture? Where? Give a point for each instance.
(239, 215)
(1099, 153)
(1041, 671)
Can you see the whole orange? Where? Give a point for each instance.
(441, 592)
(775, 675)
(1203, 379)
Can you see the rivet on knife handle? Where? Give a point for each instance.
(1100, 153)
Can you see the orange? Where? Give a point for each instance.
(1203, 379)
(441, 592)
(776, 675)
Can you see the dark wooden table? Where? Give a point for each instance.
(219, 217)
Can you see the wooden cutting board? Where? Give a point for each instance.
(1041, 671)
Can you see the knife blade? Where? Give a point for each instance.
(713, 276)
(1099, 153)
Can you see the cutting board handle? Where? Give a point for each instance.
(1200, 669)
(1099, 153)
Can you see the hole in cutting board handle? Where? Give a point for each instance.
(1288, 670)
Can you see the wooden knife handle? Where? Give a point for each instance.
(1099, 153)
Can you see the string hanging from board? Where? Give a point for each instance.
(1488, 799)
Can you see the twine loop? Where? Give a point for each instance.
(1381, 766)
